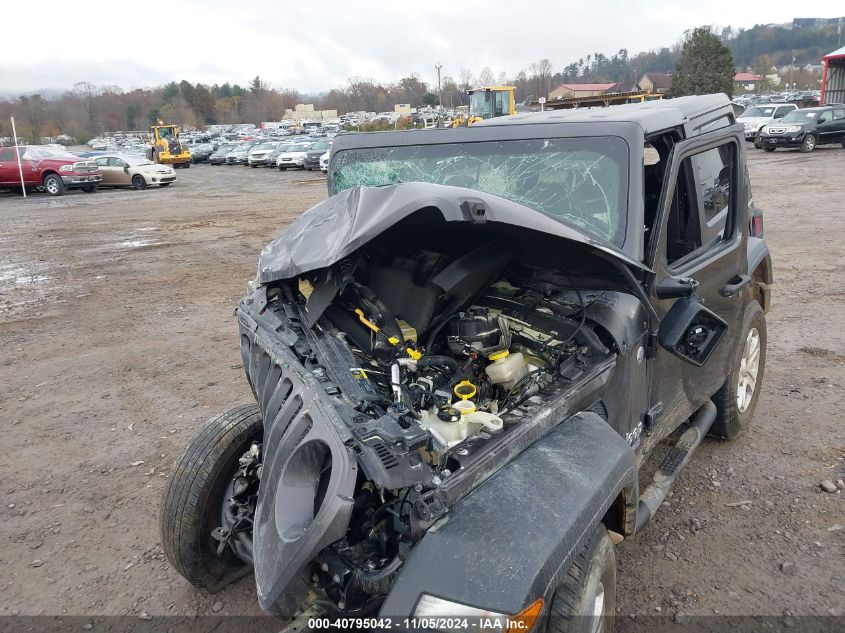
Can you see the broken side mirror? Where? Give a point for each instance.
(690, 331)
(675, 287)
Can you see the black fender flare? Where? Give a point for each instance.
(509, 542)
(760, 258)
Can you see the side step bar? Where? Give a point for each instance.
(666, 474)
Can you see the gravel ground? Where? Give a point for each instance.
(117, 340)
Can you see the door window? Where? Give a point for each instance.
(783, 111)
(839, 115)
(117, 162)
(102, 161)
(502, 103)
(702, 202)
(8, 153)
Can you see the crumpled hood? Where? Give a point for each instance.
(336, 227)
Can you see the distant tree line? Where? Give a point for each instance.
(88, 110)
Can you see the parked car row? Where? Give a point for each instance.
(298, 153)
(55, 171)
(807, 97)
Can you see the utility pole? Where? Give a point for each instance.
(438, 66)
(18, 155)
(792, 70)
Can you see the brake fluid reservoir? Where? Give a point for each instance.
(446, 425)
(506, 369)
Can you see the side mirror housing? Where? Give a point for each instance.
(690, 331)
(675, 288)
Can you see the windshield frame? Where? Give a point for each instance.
(505, 128)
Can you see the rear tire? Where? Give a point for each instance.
(732, 414)
(54, 185)
(195, 493)
(139, 182)
(585, 598)
(808, 144)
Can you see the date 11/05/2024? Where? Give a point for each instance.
(492, 623)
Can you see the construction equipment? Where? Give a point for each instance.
(487, 103)
(601, 100)
(165, 147)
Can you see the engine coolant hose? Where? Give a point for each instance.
(438, 359)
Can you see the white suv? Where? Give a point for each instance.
(755, 117)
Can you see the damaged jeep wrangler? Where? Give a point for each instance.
(463, 359)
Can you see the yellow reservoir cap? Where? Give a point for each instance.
(497, 355)
(465, 390)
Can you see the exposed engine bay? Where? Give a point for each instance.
(444, 365)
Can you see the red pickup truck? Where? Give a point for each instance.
(54, 169)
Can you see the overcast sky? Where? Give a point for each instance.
(314, 46)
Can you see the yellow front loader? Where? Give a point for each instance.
(487, 103)
(166, 148)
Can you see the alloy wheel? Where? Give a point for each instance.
(749, 367)
(598, 610)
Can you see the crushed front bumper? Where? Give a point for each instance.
(304, 451)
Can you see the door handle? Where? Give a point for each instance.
(735, 286)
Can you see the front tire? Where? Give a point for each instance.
(139, 182)
(737, 399)
(585, 598)
(195, 494)
(54, 185)
(808, 144)
(757, 142)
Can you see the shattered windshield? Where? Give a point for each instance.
(577, 181)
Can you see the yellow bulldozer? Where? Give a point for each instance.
(486, 103)
(166, 148)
